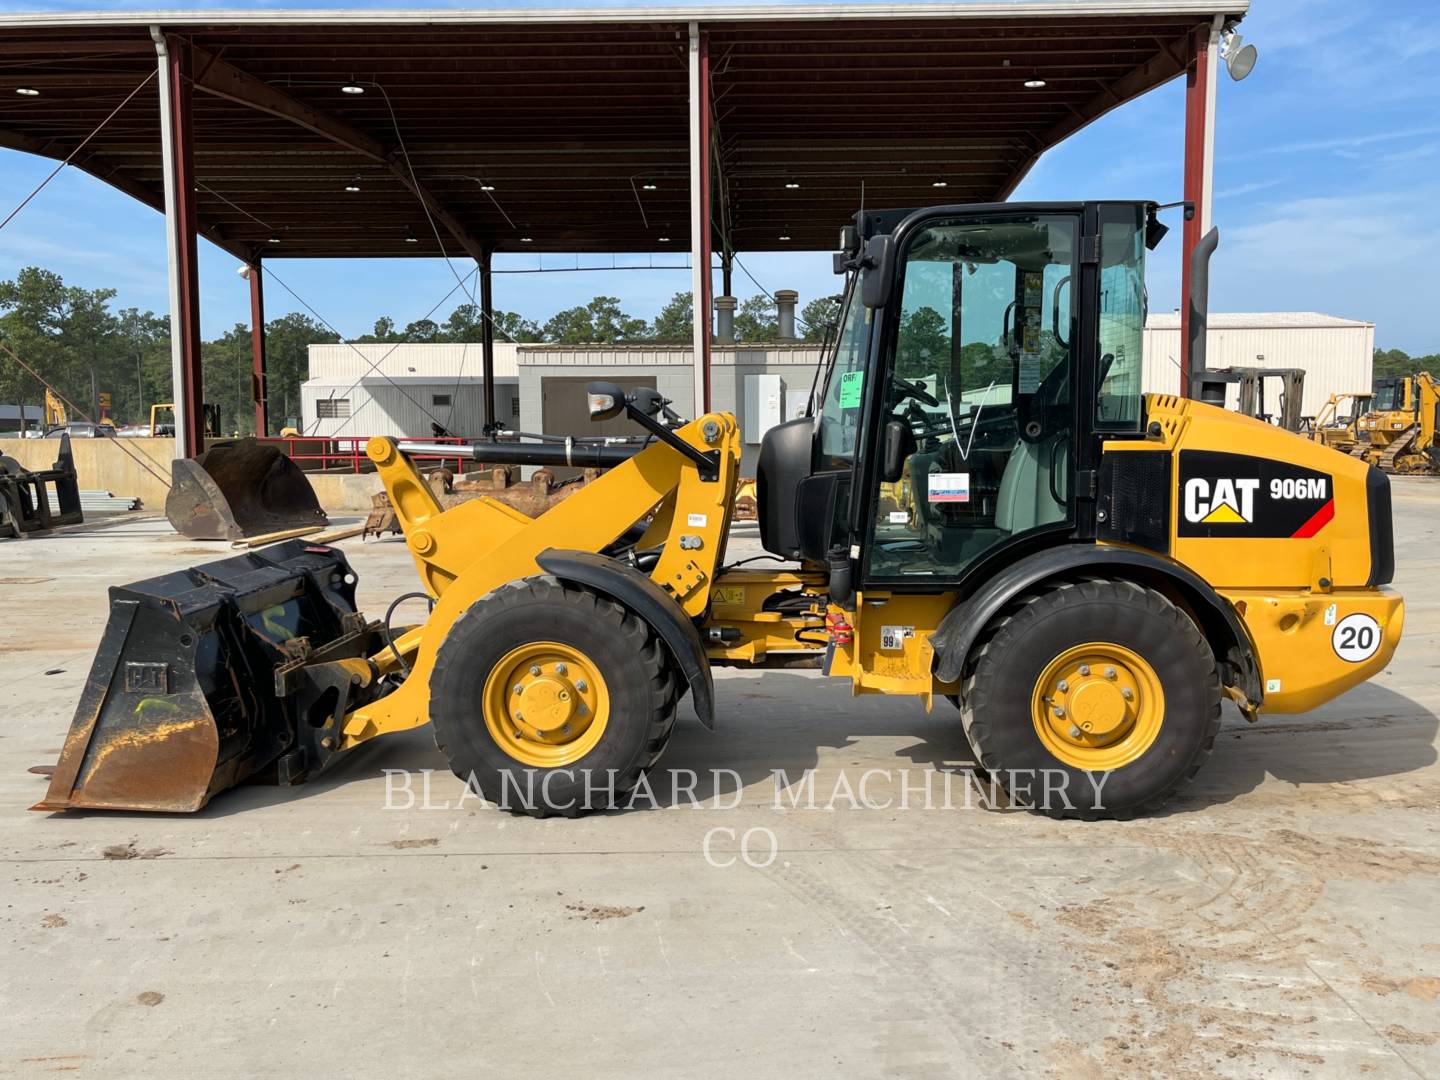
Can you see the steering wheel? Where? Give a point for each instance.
(915, 390)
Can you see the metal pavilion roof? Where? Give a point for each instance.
(566, 130)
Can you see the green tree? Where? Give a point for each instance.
(818, 318)
(287, 363)
(383, 334)
(757, 320)
(66, 333)
(676, 320)
(143, 376)
(515, 327)
(599, 322)
(421, 330)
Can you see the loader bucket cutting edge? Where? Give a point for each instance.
(183, 698)
(237, 489)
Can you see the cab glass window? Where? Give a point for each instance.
(845, 386)
(1122, 317)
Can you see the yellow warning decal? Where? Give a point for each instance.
(733, 595)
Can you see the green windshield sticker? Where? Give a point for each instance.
(851, 383)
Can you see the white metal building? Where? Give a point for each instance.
(1337, 354)
(402, 390)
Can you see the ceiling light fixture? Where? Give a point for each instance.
(412, 240)
(941, 183)
(784, 236)
(273, 240)
(485, 185)
(1034, 84)
(649, 185)
(527, 240)
(663, 239)
(27, 91)
(352, 187)
(352, 88)
(791, 184)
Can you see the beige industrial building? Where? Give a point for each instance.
(1336, 354)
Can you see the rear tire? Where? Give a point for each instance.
(1118, 658)
(596, 682)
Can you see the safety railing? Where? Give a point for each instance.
(346, 454)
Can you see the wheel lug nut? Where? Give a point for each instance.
(1084, 669)
(1062, 686)
(519, 689)
(561, 669)
(520, 716)
(1074, 733)
(534, 669)
(1126, 693)
(565, 730)
(582, 709)
(1059, 712)
(1109, 673)
(581, 686)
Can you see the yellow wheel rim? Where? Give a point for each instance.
(546, 704)
(1098, 706)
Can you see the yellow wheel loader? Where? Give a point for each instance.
(983, 509)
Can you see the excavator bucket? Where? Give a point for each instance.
(209, 676)
(239, 488)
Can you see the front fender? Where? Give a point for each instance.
(637, 591)
(958, 631)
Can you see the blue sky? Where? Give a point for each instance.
(1327, 180)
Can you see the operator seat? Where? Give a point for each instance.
(1025, 500)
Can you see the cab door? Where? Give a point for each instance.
(980, 367)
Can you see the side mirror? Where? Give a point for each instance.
(878, 276)
(899, 444)
(606, 400)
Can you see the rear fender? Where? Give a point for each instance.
(1219, 622)
(638, 592)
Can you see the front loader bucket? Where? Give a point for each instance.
(239, 488)
(194, 687)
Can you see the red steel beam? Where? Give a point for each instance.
(1194, 177)
(190, 395)
(703, 301)
(258, 390)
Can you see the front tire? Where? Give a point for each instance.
(1092, 699)
(551, 699)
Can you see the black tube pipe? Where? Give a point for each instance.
(576, 455)
(1199, 302)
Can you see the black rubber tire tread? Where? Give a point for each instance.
(643, 694)
(1000, 675)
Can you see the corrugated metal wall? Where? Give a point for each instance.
(439, 360)
(1336, 359)
(385, 409)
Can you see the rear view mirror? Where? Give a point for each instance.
(878, 273)
(898, 446)
(606, 400)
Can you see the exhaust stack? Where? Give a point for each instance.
(1209, 390)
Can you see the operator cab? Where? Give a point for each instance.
(983, 354)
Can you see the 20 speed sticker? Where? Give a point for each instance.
(1355, 638)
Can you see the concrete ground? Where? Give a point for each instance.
(1279, 919)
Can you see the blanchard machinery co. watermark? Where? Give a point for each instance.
(571, 791)
(562, 790)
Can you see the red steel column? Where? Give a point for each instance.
(259, 393)
(704, 301)
(190, 395)
(1196, 78)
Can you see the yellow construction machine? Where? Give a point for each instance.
(1398, 433)
(1336, 427)
(1086, 571)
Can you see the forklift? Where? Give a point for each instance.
(983, 509)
